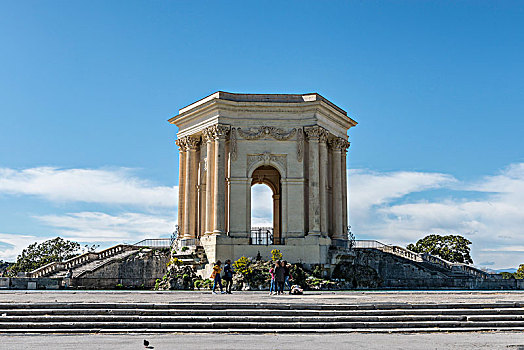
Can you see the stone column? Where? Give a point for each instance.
(209, 138)
(283, 230)
(345, 185)
(313, 135)
(324, 202)
(181, 182)
(220, 133)
(190, 190)
(338, 219)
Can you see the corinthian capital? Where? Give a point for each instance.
(191, 142)
(220, 131)
(339, 144)
(181, 143)
(316, 133)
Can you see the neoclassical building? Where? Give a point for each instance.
(295, 144)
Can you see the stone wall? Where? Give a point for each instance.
(139, 270)
(372, 268)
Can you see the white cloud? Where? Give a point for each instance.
(117, 186)
(12, 244)
(103, 227)
(494, 223)
(261, 205)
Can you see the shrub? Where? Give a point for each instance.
(276, 255)
(242, 267)
(175, 261)
(184, 249)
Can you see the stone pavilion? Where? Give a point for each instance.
(295, 144)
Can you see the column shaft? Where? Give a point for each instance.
(209, 187)
(344, 191)
(190, 190)
(313, 135)
(187, 196)
(338, 231)
(220, 180)
(324, 204)
(181, 183)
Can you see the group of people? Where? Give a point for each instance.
(280, 278)
(217, 279)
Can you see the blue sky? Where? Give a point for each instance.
(436, 86)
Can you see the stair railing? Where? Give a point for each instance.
(78, 261)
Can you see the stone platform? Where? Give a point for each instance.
(310, 297)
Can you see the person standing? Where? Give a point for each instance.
(228, 276)
(280, 277)
(273, 286)
(215, 275)
(287, 275)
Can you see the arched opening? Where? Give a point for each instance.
(266, 208)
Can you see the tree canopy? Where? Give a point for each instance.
(520, 272)
(40, 254)
(453, 248)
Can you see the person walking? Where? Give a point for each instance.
(273, 285)
(228, 276)
(280, 277)
(287, 275)
(215, 275)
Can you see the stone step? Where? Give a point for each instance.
(265, 312)
(267, 306)
(251, 331)
(189, 326)
(244, 319)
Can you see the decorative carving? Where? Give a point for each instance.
(262, 131)
(208, 134)
(215, 132)
(220, 131)
(192, 142)
(181, 144)
(315, 133)
(233, 144)
(338, 143)
(267, 158)
(300, 145)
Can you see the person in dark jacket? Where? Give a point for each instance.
(287, 274)
(280, 277)
(228, 276)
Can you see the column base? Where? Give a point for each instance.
(315, 233)
(339, 242)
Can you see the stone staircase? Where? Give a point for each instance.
(429, 261)
(86, 262)
(258, 317)
(93, 265)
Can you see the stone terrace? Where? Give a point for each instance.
(355, 297)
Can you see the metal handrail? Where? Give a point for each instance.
(262, 236)
(154, 243)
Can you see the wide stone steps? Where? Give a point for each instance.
(257, 317)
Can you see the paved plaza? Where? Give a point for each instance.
(426, 341)
(338, 297)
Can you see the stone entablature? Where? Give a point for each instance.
(224, 138)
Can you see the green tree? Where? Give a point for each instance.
(507, 275)
(41, 254)
(520, 272)
(453, 248)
